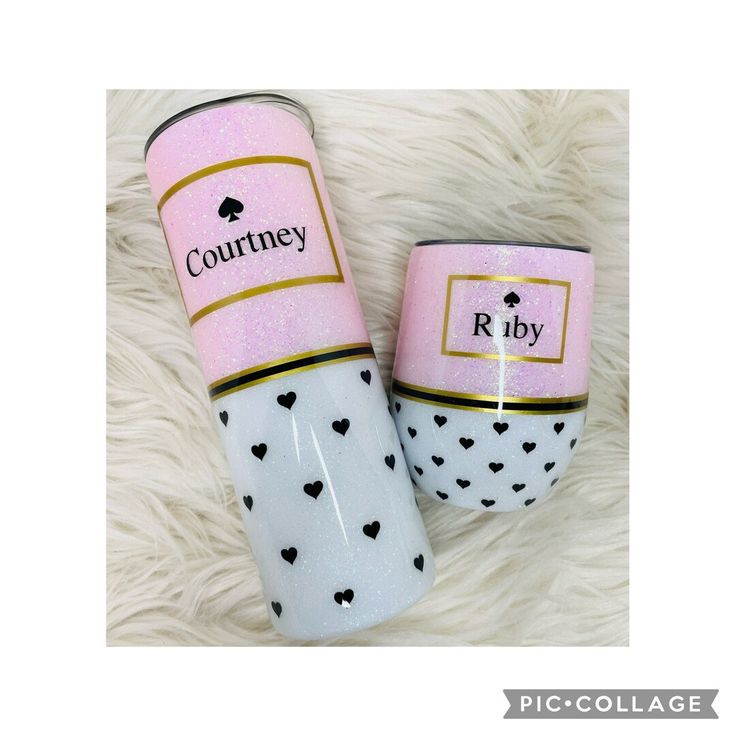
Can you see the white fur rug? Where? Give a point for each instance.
(400, 167)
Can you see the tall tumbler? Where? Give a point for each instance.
(321, 481)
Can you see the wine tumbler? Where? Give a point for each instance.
(490, 383)
(321, 482)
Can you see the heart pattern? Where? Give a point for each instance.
(287, 400)
(341, 426)
(371, 530)
(259, 450)
(344, 597)
(310, 545)
(289, 554)
(503, 464)
(313, 489)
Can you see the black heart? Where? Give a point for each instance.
(419, 470)
(390, 460)
(519, 486)
(529, 501)
(439, 420)
(553, 482)
(289, 554)
(500, 427)
(313, 489)
(223, 417)
(573, 443)
(488, 502)
(495, 467)
(371, 530)
(366, 376)
(412, 432)
(344, 598)
(512, 299)
(462, 483)
(559, 427)
(248, 501)
(259, 450)
(528, 446)
(548, 466)
(419, 562)
(466, 442)
(443, 496)
(230, 208)
(398, 406)
(437, 460)
(287, 400)
(341, 426)
(276, 608)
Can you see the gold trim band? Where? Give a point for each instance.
(491, 404)
(289, 366)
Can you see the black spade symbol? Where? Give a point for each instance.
(230, 208)
(512, 299)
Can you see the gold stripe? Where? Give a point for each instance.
(488, 397)
(514, 279)
(224, 166)
(265, 289)
(337, 278)
(291, 373)
(282, 361)
(483, 409)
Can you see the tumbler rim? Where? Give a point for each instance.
(471, 241)
(276, 99)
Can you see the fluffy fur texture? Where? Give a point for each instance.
(400, 167)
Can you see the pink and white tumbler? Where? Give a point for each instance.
(322, 484)
(490, 381)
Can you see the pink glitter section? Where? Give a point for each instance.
(418, 355)
(276, 196)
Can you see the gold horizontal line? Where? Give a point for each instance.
(506, 358)
(265, 289)
(515, 279)
(224, 166)
(487, 397)
(289, 359)
(291, 373)
(486, 410)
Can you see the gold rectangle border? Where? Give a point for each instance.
(337, 278)
(513, 279)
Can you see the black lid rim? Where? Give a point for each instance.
(470, 241)
(251, 98)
